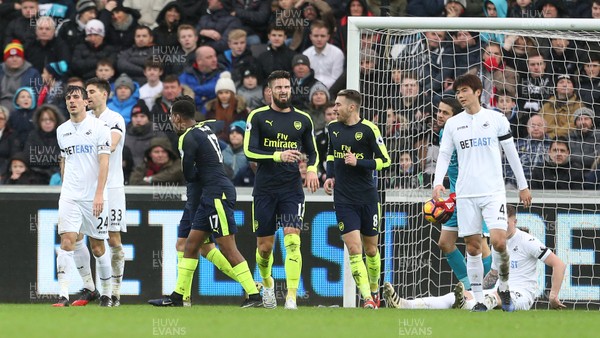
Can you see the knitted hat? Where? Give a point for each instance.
(57, 69)
(85, 5)
(94, 26)
(583, 111)
(140, 108)
(462, 2)
(239, 126)
(124, 80)
(318, 87)
(15, 47)
(300, 59)
(31, 93)
(225, 83)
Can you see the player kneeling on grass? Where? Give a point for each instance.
(525, 250)
(202, 162)
(355, 149)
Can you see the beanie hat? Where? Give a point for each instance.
(462, 2)
(583, 111)
(239, 126)
(94, 26)
(140, 108)
(85, 5)
(57, 69)
(300, 59)
(318, 87)
(15, 47)
(124, 80)
(225, 83)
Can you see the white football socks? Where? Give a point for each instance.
(82, 263)
(118, 266)
(104, 273)
(64, 259)
(475, 273)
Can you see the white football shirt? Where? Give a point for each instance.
(80, 144)
(476, 139)
(525, 251)
(116, 124)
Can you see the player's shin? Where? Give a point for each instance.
(105, 273)
(374, 270)
(117, 259)
(64, 259)
(264, 268)
(293, 263)
(216, 257)
(359, 273)
(504, 258)
(475, 272)
(185, 274)
(81, 256)
(456, 260)
(244, 277)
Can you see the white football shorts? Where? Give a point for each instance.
(78, 217)
(116, 209)
(473, 210)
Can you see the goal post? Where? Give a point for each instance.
(566, 220)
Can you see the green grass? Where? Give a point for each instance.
(229, 321)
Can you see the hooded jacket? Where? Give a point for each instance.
(165, 35)
(12, 79)
(21, 120)
(168, 173)
(41, 148)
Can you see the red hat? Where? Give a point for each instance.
(15, 47)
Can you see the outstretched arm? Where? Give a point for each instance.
(558, 274)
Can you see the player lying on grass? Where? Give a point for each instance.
(525, 251)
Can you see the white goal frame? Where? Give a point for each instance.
(355, 24)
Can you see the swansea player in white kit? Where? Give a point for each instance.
(84, 143)
(526, 251)
(98, 91)
(477, 135)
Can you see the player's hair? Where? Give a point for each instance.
(73, 89)
(597, 2)
(184, 106)
(278, 74)
(468, 80)
(171, 78)
(328, 105)
(143, 28)
(186, 27)
(105, 62)
(236, 34)
(511, 211)
(453, 103)
(351, 95)
(99, 83)
(319, 24)
(150, 63)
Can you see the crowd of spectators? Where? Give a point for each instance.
(220, 52)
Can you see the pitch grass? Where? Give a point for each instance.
(228, 321)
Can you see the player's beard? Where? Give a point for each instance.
(282, 104)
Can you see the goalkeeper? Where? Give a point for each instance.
(525, 250)
(447, 108)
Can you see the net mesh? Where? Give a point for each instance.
(553, 75)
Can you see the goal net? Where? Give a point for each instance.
(544, 76)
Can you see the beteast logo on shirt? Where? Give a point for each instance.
(475, 142)
(462, 127)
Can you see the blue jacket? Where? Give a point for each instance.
(202, 84)
(124, 107)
